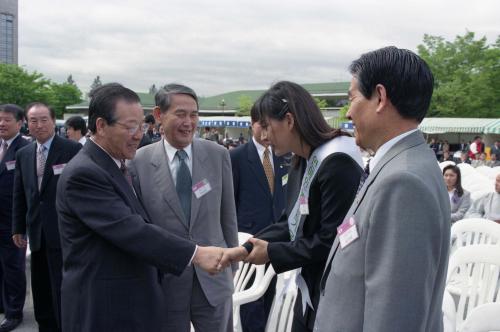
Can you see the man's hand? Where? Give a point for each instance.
(232, 255)
(208, 258)
(19, 240)
(258, 255)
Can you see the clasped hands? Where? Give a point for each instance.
(214, 259)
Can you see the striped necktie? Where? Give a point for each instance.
(268, 169)
(364, 176)
(40, 164)
(4, 147)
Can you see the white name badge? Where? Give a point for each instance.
(347, 232)
(201, 188)
(58, 168)
(10, 165)
(304, 206)
(284, 180)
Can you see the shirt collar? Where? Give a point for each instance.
(117, 161)
(47, 143)
(260, 148)
(171, 151)
(10, 140)
(387, 146)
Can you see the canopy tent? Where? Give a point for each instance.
(460, 125)
(225, 121)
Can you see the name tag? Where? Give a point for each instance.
(284, 180)
(58, 168)
(201, 188)
(304, 206)
(10, 165)
(347, 232)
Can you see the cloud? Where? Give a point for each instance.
(228, 45)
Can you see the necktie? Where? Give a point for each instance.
(183, 184)
(268, 169)
(125, 172)
(40, 164)
(4, 146)
(364, 176)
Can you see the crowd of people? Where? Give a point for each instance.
(471, 153)
(133, 221)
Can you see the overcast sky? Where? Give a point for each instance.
(226, 45)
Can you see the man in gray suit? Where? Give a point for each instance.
(387, 267)
(187, 188)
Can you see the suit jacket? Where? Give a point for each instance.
(213, 216)
(7, 184)
(110, 250)
(460, 206)
(251, 189)
(34, 211)
(331, 193)
(392, 277)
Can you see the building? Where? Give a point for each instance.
(8, 31)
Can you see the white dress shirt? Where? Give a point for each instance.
(386, 147)
(174, 162)
(260, 151)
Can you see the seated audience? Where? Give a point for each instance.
(480, 160)
(493, 162)
(459, 198)
(488, 206)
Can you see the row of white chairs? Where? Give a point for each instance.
(472, 297)
(478, 181)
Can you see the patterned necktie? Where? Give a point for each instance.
(40, 164)
(4, 147)
(268, 169)
(364, 176)
(125, 172)
(183, 184)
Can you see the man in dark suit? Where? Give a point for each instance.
(259, 179)
(38, 166)
(12, 258)
(113, 257)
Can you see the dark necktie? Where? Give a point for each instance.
(125, 172)
(268, 169)
(183, 184)
(364, 176)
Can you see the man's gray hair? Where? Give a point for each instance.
(163, 97)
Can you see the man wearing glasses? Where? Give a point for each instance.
(114, 258)
(37, 171)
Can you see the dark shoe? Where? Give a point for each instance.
(8, 324)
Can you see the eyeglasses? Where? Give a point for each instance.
(134, 129)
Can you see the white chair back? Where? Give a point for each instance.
(473, 231)
(281, 316)
(483, 318)
(478, 267)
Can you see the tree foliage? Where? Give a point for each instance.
(466, 73)
(153, 90)
(245, 104)
(20, 87)
(322, 103)
(96, 83)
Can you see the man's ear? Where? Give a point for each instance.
(100, 124)
(157, 113)
(381, 94)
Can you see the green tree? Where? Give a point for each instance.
(153, 90)
(466, 73)
(245, 104)
(65, 94)
(96, 83)
(343, 113)
(322, 103)
(18, 86)
(70, 80)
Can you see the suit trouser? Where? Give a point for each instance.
(46, 277)
(13, 285)
(203, 316)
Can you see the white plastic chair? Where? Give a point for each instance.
(483, 318)
(473, 231)
(449, 313)
(486, 171)
(479, 268)
(445, 163)
(261, 280)
(281, 315)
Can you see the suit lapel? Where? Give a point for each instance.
(257, 168)
(199, 173)
(407, 142)
(9, 154)
(164, 180)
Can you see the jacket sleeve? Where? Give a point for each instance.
(477, 208)
(89, 197)
(338, 180)
(19, 204)
(462, 209)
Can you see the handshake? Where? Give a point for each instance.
(215, 259)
